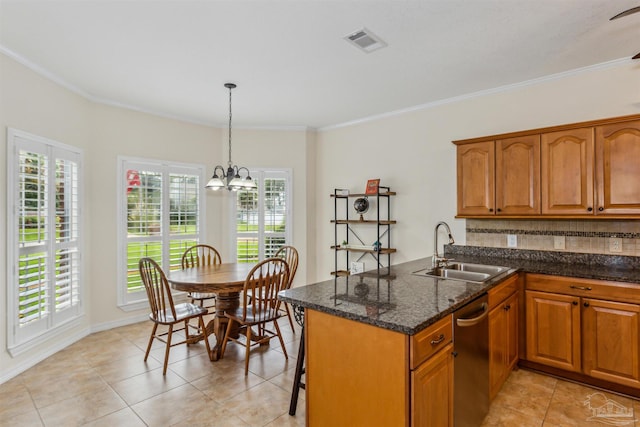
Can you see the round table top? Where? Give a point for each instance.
(211, 278)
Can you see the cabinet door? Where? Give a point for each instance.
(518, 176)
(618, 168)
(475, 170)
(553, 330)
(432, 391)
(567, 172)
(611, 341)
(503, 343)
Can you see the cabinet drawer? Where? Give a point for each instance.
(502, 291)
(426, 343)
(607, 290)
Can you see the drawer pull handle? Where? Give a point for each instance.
(438, 340)
(582, 288)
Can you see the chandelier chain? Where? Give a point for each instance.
(230, 127)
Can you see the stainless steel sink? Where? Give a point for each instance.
(464, 271)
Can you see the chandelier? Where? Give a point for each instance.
(231, 178)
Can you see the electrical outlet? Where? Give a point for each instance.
(615, 244)
(558, 242)
(356, 267)
(512, 241)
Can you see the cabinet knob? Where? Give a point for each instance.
(600, 208)
(499, 210)
(507, 307)
(586, 304)
(590, 209)
(490, 209)
(454, 353)
(575, 303)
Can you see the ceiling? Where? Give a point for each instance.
(290, 60)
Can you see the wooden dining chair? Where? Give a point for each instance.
(199, 255)
(165, 312)
(260, 307)
(290, 255)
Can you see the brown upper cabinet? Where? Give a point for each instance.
(517, 175)
(567, 172)
(476, 186)
(587, 170)
(618, 168)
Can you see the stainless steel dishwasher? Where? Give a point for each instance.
(471, 363)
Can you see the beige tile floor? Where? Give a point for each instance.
(103, 381)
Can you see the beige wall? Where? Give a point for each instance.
(413, 153)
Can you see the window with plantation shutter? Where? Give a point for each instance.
(263, 215)
(44, 236)
(160, 216)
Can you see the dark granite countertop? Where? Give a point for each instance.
(404, 302)
(407, 303)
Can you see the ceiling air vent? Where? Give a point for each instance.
(365, 40)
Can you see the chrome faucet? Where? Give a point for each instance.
(437, 260)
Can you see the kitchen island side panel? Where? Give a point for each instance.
(356, 374)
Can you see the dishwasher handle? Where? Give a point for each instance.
(463, 323)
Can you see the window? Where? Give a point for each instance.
(44, 237)
(160, 216)
(263, 216)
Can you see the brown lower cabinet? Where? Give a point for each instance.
(432, 391)
(586, 327)
(363, 375)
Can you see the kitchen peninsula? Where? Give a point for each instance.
(372, 340)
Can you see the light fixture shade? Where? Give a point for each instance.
(236, 183)
(215, 183)
(249, 184)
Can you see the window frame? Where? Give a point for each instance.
(54, 323)
(130, 301)
(259, 175)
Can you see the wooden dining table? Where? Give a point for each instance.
(226, 280)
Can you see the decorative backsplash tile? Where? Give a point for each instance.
(618, 237)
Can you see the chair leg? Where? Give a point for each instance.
(286, 308)
(153, 335)
(206, 337)
(247, 352)
(297, 383)
(284, 350)
(166, 353)
(226, 338)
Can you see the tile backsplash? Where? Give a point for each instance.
(618, 237)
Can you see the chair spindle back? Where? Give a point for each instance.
(263, 283)
(199, 255)
(157, 287)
